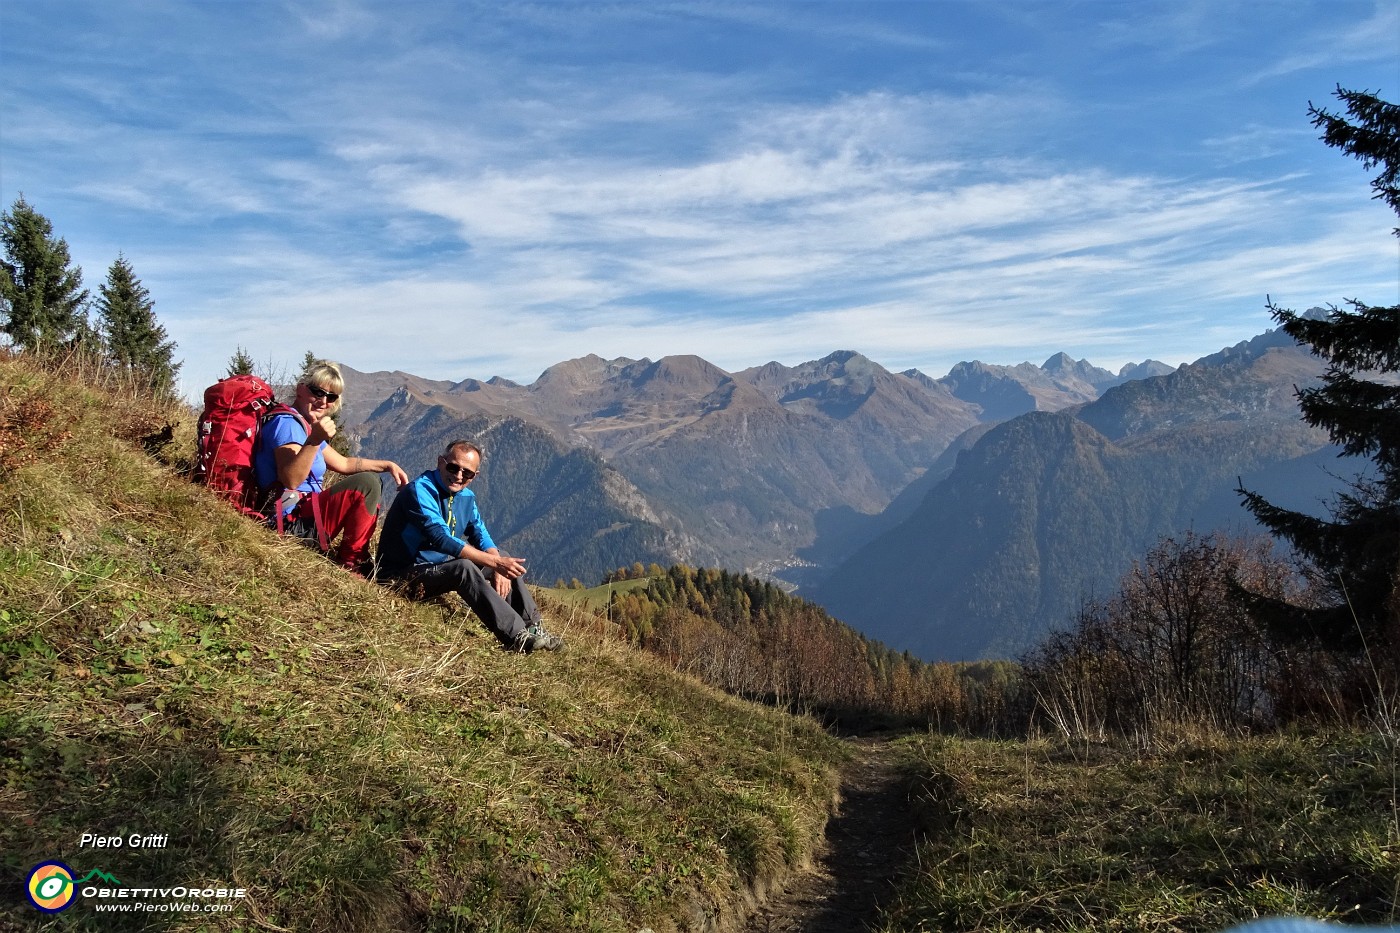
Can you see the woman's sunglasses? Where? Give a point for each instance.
(319, 392)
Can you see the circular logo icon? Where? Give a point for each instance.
(50, 887)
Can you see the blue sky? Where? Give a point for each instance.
(476, 189)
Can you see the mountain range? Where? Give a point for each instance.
(958, 517)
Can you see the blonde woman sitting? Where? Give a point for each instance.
(290, 461)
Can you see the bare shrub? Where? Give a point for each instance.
(1176, 644)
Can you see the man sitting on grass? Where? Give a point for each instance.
(435, 542)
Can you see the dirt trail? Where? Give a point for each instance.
(867, 842)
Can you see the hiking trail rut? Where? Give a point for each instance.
(868, 841)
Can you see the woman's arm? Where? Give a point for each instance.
(342, 464)
(294, 463)
(296, 452)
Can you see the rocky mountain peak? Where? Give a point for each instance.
(585, 371)
(1064, 366)
(684, 371)
(1144, 370)
(1247, 351)
(843, 357)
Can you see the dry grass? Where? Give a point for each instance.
(1192, 834)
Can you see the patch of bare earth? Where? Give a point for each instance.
(867, 842)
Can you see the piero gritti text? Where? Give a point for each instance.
(132, 841)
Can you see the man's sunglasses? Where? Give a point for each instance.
(319, 392)
(461, 471)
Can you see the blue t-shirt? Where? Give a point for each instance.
(276, 432)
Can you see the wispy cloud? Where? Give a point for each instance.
(1359, 39)
(474, 189)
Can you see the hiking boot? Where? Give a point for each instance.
(536, 638)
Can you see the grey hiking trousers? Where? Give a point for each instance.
(506, 620)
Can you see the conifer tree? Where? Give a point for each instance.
(86, 339)
(240, 364)
(134, 340)
(1357, 550)
(41, 295)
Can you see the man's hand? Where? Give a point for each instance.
(396, 471)
(508, 567)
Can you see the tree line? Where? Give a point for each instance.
(45, 308)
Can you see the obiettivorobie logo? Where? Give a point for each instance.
(51, 886)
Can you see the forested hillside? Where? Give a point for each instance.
(750, 638)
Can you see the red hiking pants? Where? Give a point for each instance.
(349, 509)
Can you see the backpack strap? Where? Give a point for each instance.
(282, 408)
(272, 495)
(317, 521)
(275, 411)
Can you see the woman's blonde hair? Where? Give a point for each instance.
(323, 374)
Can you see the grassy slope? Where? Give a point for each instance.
(595, 597)
(356, 761)
(1194, 837)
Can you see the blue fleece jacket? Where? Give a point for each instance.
(428, 525)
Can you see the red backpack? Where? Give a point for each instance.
(227, 432)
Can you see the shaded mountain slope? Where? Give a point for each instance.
(841, 531)
(1050, 508)
(967, 571)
